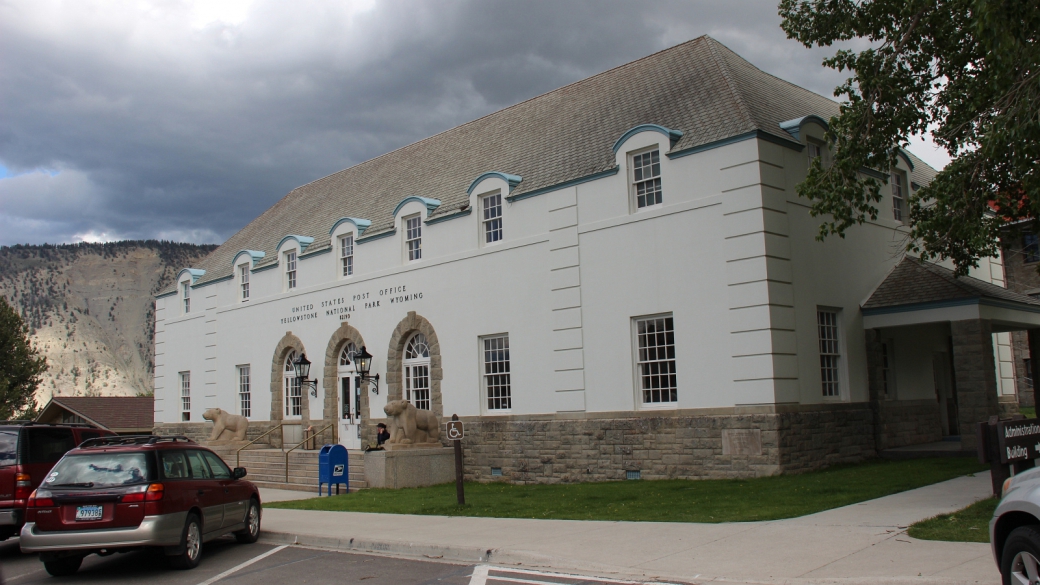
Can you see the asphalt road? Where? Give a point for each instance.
(230, 563)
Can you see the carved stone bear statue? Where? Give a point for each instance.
(226, 426)
(409, 425)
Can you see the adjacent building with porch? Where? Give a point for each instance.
(615, 279)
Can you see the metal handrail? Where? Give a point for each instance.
(306, 438)
(238, 457)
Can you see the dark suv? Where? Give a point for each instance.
(117, 494)
(28, 450)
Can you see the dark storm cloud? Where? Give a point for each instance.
(144, 120)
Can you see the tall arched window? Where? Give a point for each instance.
(349, 400)
(292, 391)
(417, 372)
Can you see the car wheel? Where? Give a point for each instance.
(1020, 563)
(251, 532)
(191, 542)
(63, 566)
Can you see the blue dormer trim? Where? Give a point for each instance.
(254, 257)
(194, 272)
(673, 135)
(794, 127)
(430, 204)
(360, 224)
(303, 241)
(511, 180)
(906, 158)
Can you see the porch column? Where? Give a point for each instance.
(875, 387)
(975, 376)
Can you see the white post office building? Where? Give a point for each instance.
(614, 279)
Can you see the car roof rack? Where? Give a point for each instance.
(117, 440)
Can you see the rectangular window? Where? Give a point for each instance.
(646, 178)
(1031, 248)
(496, 373)
(492, 218)
(186, 295)
(243, 281)
(830, 352)
(290, 270)
(245, 400)
(898, 196)
(185, 395)
(814, 149)
(655, 360)
(413, 237)
(346, 254)
(417, 385)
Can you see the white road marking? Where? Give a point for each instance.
(481, 577)
(237, 568)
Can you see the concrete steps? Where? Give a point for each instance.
(266, 468)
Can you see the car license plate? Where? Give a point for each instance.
(88, 512)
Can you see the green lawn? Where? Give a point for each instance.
(766, 498)
(968, 525)
(1029, 411)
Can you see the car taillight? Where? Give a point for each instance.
(155, 492)
(151, 493)
(37, 502)
(22, 486)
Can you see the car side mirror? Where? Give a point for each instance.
(238, 473)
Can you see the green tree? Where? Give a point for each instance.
(20, 365)
(968, 71)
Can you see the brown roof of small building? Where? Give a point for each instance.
(914, 281)
(112, 412)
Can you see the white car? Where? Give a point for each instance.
(1014, 531)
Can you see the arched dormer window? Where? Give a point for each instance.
(417, 372)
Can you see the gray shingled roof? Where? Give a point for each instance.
(914, 281)
(699, 87)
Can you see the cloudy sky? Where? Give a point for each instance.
(185, 120)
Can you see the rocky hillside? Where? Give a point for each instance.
(90, 309)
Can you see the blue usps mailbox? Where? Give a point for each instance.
(332, 467)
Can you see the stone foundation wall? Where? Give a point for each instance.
(909, 422)
(666, 446)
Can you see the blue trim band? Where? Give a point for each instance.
(673, 135)
(798, 147)
(511, 180)
(430, 204)
(989, 302)
(441, 218)
(303, 241)
(360, 224)
(194, 272)
(254, 257)
(905, 158)
(794, 127)
(563, 185)
(380, 236)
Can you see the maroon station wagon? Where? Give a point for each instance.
(28, 450)
(115, 494)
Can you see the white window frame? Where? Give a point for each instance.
(186, 296)
(412, 237)
(491, 221)
(291, 260)
(245, 395)
(814, 150)
(346, 255)
(243, 282)
(636, 177)
(830, 339)
(899, 191)
(185, 396)
(292, 390)
(414, 369)
(495, 373)
(640, 375)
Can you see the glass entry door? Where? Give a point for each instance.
(349, 412)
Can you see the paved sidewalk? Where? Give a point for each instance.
(861, 543)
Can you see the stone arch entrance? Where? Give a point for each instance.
(340, 338)
(408, 327)
(288, 344)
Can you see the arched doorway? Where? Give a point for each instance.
(289, 403)
(349, 425)
(344, 340)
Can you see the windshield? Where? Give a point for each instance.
(101, 470)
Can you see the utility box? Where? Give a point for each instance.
(332, 468)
